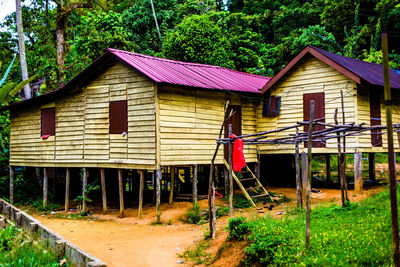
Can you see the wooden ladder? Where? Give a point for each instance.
(246, 190)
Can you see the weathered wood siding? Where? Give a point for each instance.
(190, 121)
(309, 76)
(363, 116)
(82, 127)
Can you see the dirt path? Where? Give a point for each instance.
(132, 242)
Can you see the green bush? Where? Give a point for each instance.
(195, 215)
(38, 205)
(238, 228)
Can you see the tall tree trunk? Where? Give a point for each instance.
(60, 27)
(21, 44)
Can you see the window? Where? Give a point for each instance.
(118, 117)
(272, 105)
(48, 122)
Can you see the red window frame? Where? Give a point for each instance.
(118, 112)
(48, 122)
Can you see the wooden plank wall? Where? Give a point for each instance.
(190, 121)
(310, 76)
(82, 127)
(363, 116)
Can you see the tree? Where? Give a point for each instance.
(21, 45)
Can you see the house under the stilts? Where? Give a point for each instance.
(133, 112)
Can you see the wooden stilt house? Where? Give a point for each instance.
(132, 111)
(319, 75)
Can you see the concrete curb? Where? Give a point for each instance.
(62, 247)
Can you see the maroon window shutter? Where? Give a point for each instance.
(118, 117)
(375, 116)
(319, 112)
(48, 121)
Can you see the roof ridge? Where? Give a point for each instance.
(186, 63)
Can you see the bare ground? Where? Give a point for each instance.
(132, 242)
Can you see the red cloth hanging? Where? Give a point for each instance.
(238, 160)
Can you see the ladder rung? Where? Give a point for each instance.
(247, 179)
(253, 187)
(263, 195)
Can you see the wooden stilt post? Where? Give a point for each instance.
(103, 189)
(121, 193)
(11, 184)
(53, 183)
(171, 192)
(298, 177)
(141, 187)
(309, 177)
(304, 174)
(371, 165)
(84, 185)
(358, 179)
(158, 195)
(195, 185)
(214, 217)
(67, 182)
(391, 157)
(230, 175)
(341, 166)
(328, 167)
(45, 184)
(226, 181)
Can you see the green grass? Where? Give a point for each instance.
(357, 235)
(18, 250)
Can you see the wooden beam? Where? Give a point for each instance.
(141, 187)
(230, 174)
(103, 189)
(45, 183)
(309, 176)
(299, 195)
(121, 194)
(194, 185)
(358, 179)
(172, 186)
(328, 167)
(67, 182)
(158, 195)
(84, 185)
(304, 174)
(371, 166)
(226, 181)
(11, 184)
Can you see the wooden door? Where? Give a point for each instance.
(375, 115)
(236, 121)
(319, 112)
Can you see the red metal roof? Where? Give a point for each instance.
(168, 71)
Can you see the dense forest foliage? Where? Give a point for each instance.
(257, 36)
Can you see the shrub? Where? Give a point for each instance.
(238, 228)
(195, 215)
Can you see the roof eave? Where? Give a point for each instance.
(315, 53)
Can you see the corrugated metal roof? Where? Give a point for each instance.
(162, 70)
(370, 72)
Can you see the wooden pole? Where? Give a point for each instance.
(341, 172)
(67, 182)
(214, 217)
(11, 184)
(344, 151)
(158, 195)
(103, 189)
(298, 175)
(304, 175)
(392, 162)
(230, 175)
(371, 165)
(141, 187)
(226, 181)
(309, 177)
(121, 193)
(45, 183)
(84, 185)
(195, 185)
(172, 186)
(358, 180)
(328, 167)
